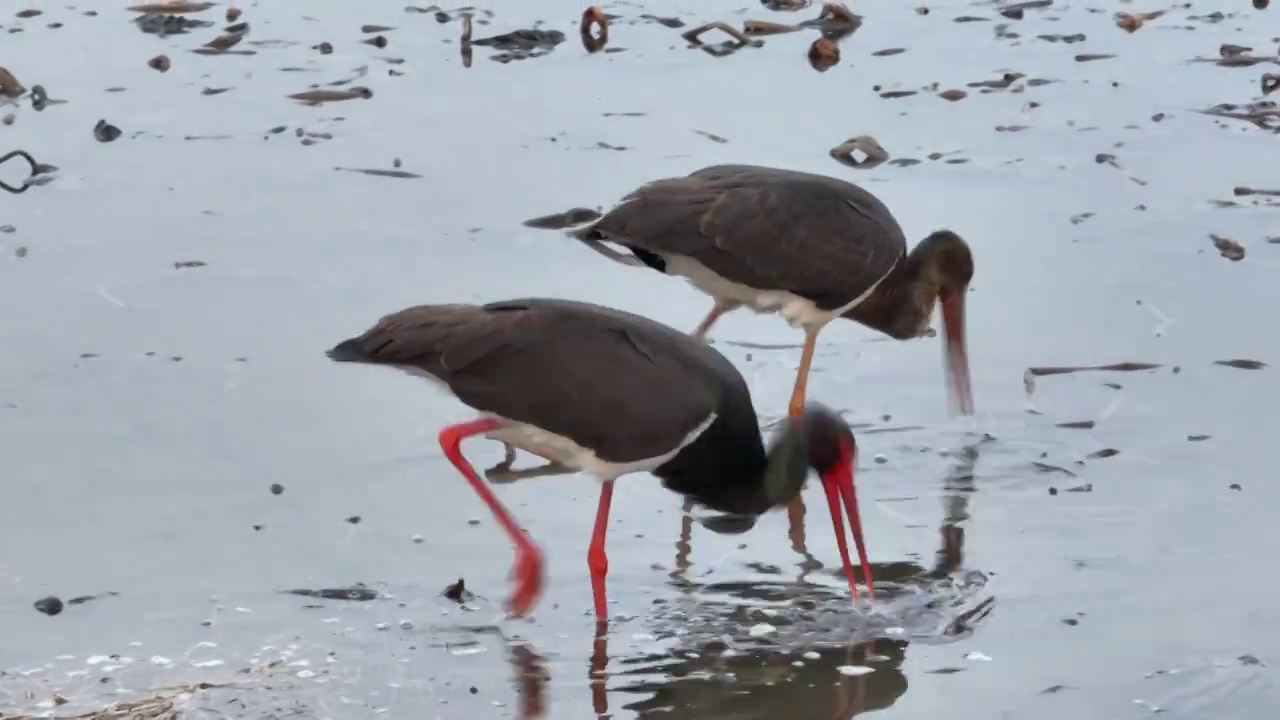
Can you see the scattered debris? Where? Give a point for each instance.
(316, 97)
(873, 152)
(594, 17)
(1131, 23)
(823, 55)
(357, 592)
(105, 132)
(381, 173)
(9, 85)
(1228, 248)
(1241, 364)
(49, 606)
(456, 592)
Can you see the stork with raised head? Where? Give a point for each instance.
(808, 247)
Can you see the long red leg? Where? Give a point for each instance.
(833, 501)
(796, 407)
(597, 560)
(716, 311)
(528, 567)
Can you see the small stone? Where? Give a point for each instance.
(233, 14)
(881, 459)
(406, 624)
(382, 626)
(418, 539)
(49, 606)
(456, 591)
(855, 670)
(354, 520)
(761, 630)
(277, 489)
(105, 132)
(160, 62)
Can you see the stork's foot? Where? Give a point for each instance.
(502, 473)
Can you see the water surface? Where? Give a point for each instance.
(145, 409)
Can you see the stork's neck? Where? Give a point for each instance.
(902, 304)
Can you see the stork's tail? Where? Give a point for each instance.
(593, 239)
(352, 350)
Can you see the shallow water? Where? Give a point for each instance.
(145, 409)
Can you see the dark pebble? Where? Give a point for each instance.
(277, 489)
(354, 519)
(105, 132)
(456, 590)
(49, 606)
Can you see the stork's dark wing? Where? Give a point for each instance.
(588, 376)
(819, 237)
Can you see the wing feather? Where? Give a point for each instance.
(766, 228)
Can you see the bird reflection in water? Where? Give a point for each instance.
(712, 683)
(708, 678)
(699, 684)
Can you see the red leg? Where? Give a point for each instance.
(796, 408)
(528, 567)
(716, 311)
(597, 560)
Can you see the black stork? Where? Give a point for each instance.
(809, 247)
(593, 389)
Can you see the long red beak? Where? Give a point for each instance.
(838, 483)
(957, 354)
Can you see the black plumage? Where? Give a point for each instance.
(621, 385)
(818, 237)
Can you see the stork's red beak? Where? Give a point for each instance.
(957, 354)
(837, 481)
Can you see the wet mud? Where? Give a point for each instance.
(198, 198)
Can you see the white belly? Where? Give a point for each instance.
(797, 311)
(558, 448)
